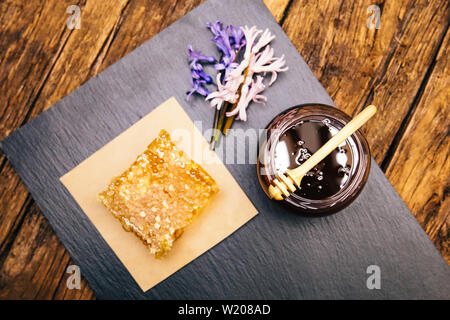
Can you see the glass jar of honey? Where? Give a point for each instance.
(293, 136)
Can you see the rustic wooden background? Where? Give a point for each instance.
(403, 68)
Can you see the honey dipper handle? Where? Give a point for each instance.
(298, 173)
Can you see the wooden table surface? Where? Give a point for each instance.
(402, 67)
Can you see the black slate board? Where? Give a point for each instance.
(278, 254)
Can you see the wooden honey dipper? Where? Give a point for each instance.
(291, 181)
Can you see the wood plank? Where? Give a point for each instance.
(32, 39)
(420, 167)
(360, 66)
(277, 8)
(14, 204)
(32, 268)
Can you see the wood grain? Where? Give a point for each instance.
(420, 167)
(42, 60)
(278, 8)
(360, 66)
(37, 262)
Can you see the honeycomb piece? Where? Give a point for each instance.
(159, 195)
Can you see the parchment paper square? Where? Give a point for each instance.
(226, 212)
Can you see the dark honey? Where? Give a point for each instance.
(298, 143)
(297, 133)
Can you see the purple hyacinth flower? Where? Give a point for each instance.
(237, 37)
(197, 87)
(228, 41)
(198, 77)
(196, 56)
(223, 42)
(215, 27)
(226, 65)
